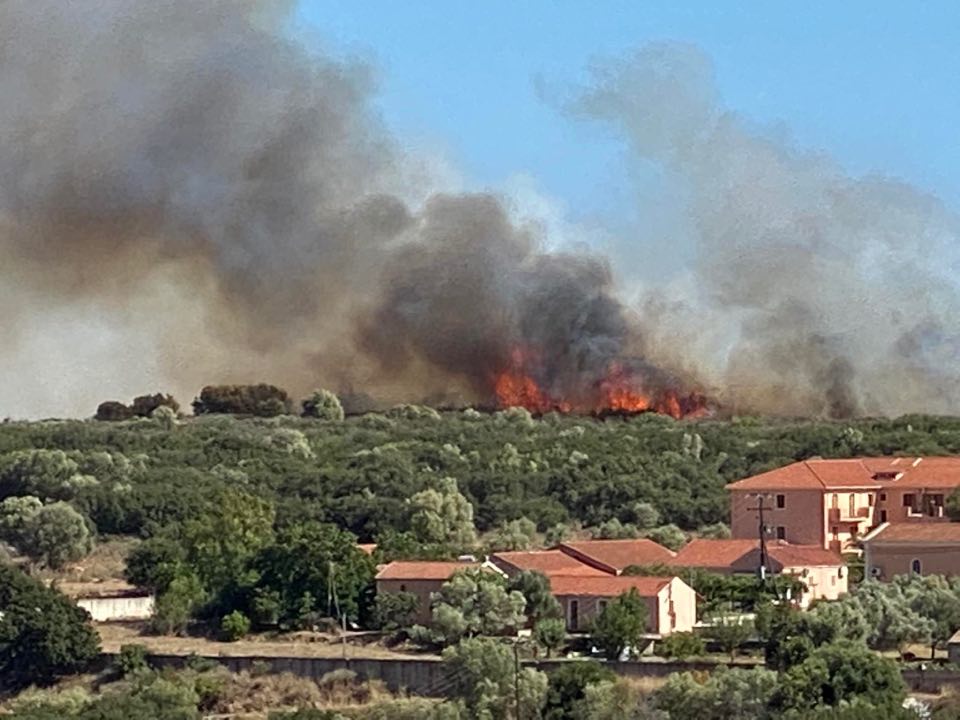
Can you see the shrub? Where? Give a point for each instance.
(132, 659)
(234, 626)
(681, 645)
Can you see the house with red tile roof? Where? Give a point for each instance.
(834, 503)
(614, 556)
(912, 548)
(671, 603)
(823, 572)
(548, 562)
(421, 579)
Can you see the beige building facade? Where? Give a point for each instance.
(912, 549)
(671, 603)
(835, 503)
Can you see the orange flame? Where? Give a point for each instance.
(619, 391)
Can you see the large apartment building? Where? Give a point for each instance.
(834, 503)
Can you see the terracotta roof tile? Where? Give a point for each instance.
(607, 585)
(713, 553)
(707, 553)
(868, 473)
(917, 532)
(403, 570)
(549, 562)
(615, 555)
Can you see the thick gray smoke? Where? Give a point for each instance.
(813, 292)
(188, 195)
(191, 195)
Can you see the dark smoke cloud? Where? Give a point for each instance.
(191, 194)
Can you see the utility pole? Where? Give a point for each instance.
(762, 533)
(516, 676)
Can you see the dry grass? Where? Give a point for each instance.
(102, 566)
(112, 636)
(255, 694)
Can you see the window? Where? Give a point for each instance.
(915, 567)
(601, 605)
(883, 497)
(909, 499)
(403, 588)
(836, 532)
(852, 505)
(781, 533)
(871, 499)
(937, 500)
(574, 616)
(781, 501)
(883, 516)
(833, 581)
(835, 501)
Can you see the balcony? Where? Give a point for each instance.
(843, 515)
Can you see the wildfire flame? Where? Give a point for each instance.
(619, 391)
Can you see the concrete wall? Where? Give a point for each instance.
(106, 609)
(427, 676)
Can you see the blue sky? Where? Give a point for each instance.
(874, 84)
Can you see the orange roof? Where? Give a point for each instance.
(615, 555)
(548, 562)
(607, 585)
(866, 473)
(916, 532)
(703, 552)
(403, 570)
(707, 553)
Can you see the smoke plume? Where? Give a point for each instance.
(190, 194)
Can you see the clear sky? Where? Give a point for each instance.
(874, 84)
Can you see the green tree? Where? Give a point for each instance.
(221, 543)
(620, 625)
(681, 645)
(840, 672)
(315, 568)
(535, 588)
(615, 700)
(722, 695)
(112, 411)
(260, 400)
(155, 563)
(550, 634)
(517, 534)
(567, 685)
(395, 610)
(324, 405)
(670, 536)
(718, 531)
(473, 602)
(234, 626)
(53, 535)
(730, 634)
(645, 515)
(443, 516)
(146, 405)
(176, 605)
(482, 674)
(42, 633)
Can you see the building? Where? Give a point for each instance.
(614, 556)
(421, 579)
(671, 603)
(834, 503)
(548, 562)
(110, 601)
(920, 548)
(824, 573)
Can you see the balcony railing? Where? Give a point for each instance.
(844, 515)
